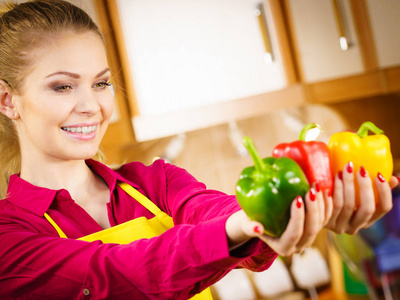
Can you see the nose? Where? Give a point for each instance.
(87, 103)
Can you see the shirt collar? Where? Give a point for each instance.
(28, 196)
(109, 176)
(38, 199)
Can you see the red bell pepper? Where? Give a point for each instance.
(312, 156)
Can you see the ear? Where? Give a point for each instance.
(7, 107)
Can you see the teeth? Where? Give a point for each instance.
(84, 129)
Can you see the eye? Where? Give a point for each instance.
(102, 85)
(62, 88)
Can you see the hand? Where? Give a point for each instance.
(300, 233)
(345, 218)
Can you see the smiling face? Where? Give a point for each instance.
(65, 103)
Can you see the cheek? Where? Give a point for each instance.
(33, 112)
(54, 114)
(107, 107)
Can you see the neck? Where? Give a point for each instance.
(71, 175)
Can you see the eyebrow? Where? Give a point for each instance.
(74, 75)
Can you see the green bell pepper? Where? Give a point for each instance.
(266, 190)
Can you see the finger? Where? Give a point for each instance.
(313, 222)
(321, 203)
(337, 202)
(328, 207)
(385, 201)
(286, 244)
(367, 203)
(349, 198)
(253, 229)
(394, 181)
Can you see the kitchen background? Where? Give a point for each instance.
(193, 77)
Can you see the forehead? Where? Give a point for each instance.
(81, 53)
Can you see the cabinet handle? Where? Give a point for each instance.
(344, 45)
(262, 22)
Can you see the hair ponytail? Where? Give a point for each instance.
(10, 156)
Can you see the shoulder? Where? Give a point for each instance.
(135, 171)
(3, 203)
(159, 170)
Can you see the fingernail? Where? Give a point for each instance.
(312, 194)
(381, 178)
(329, 193)
(349, 167)
(363, 173)
(317, 186)
(397, 177)
(340, 175)
(299, 201)
(257, 229)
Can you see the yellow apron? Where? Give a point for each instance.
(139, 228)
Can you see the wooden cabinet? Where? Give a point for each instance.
(384, 18)
(187, 54)
(325, 39)
(371, 64)
(318, 28)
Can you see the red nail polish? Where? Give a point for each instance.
(329, 193)
(340, 175)
(299, 201)
(317, 186)
(363, 173)
(349, 167)
(257, 229)
(398, 178)
(312, 194)
(381, 178)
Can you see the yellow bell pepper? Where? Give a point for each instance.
(370, 151)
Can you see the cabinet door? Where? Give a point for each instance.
(316, 28)
(385, 23)
(186, 54)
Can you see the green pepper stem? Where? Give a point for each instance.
(363, 130)
(258, 163)
(306, 128)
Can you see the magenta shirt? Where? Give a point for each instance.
(36, 264)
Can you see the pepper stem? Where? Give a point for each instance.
(363, 130)
(306, 129)
(258, 163)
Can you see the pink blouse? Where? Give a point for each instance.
(36, 264)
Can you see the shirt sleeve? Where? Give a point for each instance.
(175, 265)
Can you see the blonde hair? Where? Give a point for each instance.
(23, 29)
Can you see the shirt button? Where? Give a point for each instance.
(86, 292)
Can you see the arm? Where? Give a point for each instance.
(189, 202)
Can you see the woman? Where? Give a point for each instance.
(56, 104)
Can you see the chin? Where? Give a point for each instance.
(82, 155)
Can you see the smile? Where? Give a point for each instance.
(83, 129)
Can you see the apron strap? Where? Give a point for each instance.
(142, 199)
(56, 227)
